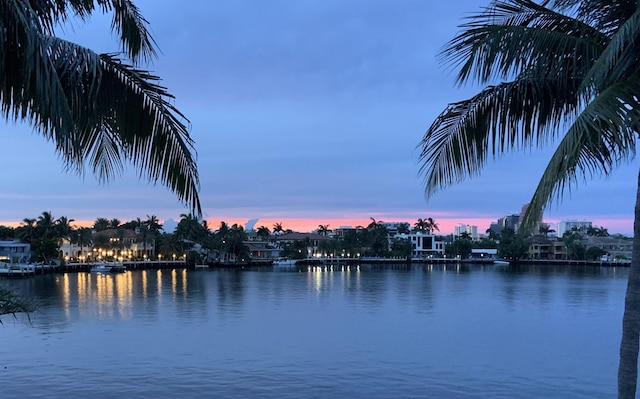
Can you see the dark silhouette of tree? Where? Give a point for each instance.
(277, 228)
(100, 110)
(404, 228)
(26, 230)
(263, 232)
(101, 224)
(323, 229)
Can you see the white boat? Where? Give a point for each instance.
(284, 262)
(108, 267)
(16, 269)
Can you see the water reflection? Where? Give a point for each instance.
(146, 293)
(444, 330)
(231, 290)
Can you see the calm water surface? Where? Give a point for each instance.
(370, 332)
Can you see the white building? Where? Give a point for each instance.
(465, 228)
(568, 225)
(424, 245)
(15, 252)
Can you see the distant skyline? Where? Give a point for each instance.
(303, 113)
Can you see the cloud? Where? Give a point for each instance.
(250, 224)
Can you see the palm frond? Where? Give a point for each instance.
(135, 38)
(151, 131)
(621, 57)
(29, 86)
(95, 108)
(127, 21)
(598, 140)
(510, 36)
(605, 15)
(130, 118)
(513, 115)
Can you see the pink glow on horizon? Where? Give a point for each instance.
(446, 223)
(446, 226)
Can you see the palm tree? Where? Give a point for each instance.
(263, 232)
(420, 225)
(45, 224)
(563, 69)
(324, 229)
(83, 238)
(169, 244)
(545, 229)
(154, 224)
(114, 223)
(100, 110)
(223, 229)
(7, 232)
(63, 227)
(26, 230)
(375, 224)
(404, 228)
(234, 242)
(101, 224)
(431, 225)
(145, 237)
(189, 228)
(277, 228)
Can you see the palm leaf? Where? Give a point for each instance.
(595, 143)
(620, 58)
(513, 115)
(127, 21)
(96, 108)
(509, 36)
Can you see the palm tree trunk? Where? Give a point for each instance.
(628, 368)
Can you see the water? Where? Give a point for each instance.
(370, 332)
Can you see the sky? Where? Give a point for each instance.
(303, 113)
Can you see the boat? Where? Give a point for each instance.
(17, 269)
(284, 262)
(108, 267)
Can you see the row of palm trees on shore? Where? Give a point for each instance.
(427, 225)
(46, 234)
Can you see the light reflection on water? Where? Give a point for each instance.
(360, 331)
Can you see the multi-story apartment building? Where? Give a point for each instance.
(465, 228)
(506, 222)
(568, 225)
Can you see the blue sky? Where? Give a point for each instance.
(301, 110)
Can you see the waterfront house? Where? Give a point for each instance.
(14, 251)
(261, 250)
(546, 248)
(615, 247)
(424, 245)
(311, 240)
(122, 243)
